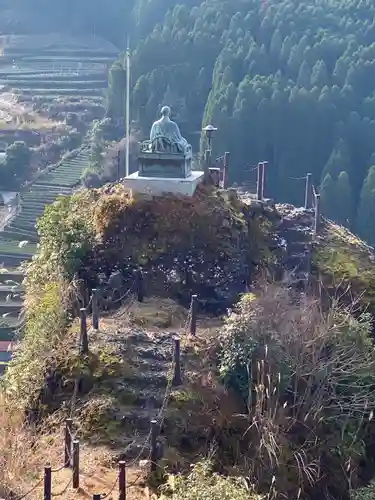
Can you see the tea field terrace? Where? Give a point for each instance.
(11, 302)
(44, 70)
(60, 180)
(18, 240)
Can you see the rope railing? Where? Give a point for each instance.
(312, 202)
(312, 199)
(69, 462)
(138, 292)
(312, 194)
(223, 174)
(71, 448)
(25, 495)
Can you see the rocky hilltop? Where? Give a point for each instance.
(277, 379)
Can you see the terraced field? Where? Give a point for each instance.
(11, 297)
(48, 73)
(18, 241)
(59, 181)
(42, 69)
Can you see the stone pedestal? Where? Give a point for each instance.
(161, 185)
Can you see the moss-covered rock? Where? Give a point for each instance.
(345, 265)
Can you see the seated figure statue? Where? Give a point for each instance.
(165, 136)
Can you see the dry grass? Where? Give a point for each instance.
(161, 313)
(310, 392)
(22, 460)
(157, 312)
(25, 453)
(310, 379)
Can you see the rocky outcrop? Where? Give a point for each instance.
(295, 230)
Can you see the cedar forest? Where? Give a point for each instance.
(287, 81)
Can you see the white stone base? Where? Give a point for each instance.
(160, 185)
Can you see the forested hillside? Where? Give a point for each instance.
(288, 81)
(291, 82)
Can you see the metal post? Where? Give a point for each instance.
(308, 268)
(138, 277)
(317, 214)
(75, 464)
(95, 309)
(210, 157)
(207, 158)
(193, 315)
(225, 169)
(154, 445)
(264, 168)
(308, 190)
(68, 442)
(247, 277)
(259, 181)
(47, 483)
(206, 166)
(127, 159)
(122, 481)
(84, 341)
(177, 362)
(118, 165)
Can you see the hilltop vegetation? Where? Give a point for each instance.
(285, 81)
(279, 393)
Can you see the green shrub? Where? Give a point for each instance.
(46, 321)
(242, 345)
(367, 493)
(203, 484)
(66, 236)
(307, 380)
(91, 178)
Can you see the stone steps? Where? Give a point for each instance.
(296, 228)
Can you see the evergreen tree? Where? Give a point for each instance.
(340, 71)
(344, 200)
(116, 96)
(339, 161)
(276, 43)
(328, 198)
(294, 61)
(366, 210)
(286, 48)
(304, 76)
(319, 76)
(96, 156)
(332, 56)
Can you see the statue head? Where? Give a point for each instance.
(166, 111)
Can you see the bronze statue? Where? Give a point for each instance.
(165, 136)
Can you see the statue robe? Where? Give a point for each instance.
(165, 127)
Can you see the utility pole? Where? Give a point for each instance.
(127, 110)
